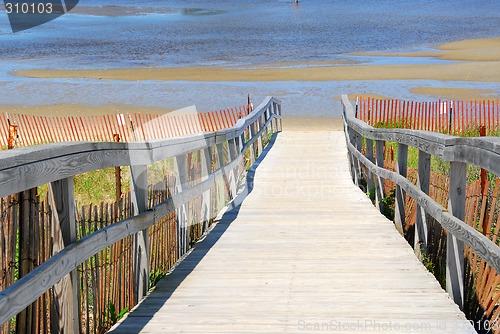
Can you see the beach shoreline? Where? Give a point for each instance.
(475, 61)
(474, 67)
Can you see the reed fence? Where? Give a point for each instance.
(26, 130)
(459, 118)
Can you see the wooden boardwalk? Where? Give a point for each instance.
(305, 252)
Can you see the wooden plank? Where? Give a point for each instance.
(455, 270)
(379, 182)
(400, 204)
(421, 226)
(65, 294)
(365, 265)
(139, 194)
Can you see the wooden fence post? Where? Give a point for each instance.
(139, 198)
(221, 184)
(280, 121)
(252, 146)
(118, 175)
(180, 168)
(276, 121)
(400, 204)
(369, 155)
(421, 227)
(206, 170)
(259, 139)
(455, 266)
(379, 194)
(358, 142)
(65, 315)
(26, 248)
(353, 160)
(233, 174)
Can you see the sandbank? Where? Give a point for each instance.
(480, 62)
(467, 71)
(467, 94)
(485, 49)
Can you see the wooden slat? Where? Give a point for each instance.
(232, 271)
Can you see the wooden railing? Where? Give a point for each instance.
(483, 152)
(57, 164)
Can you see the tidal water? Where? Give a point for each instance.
(155, 33)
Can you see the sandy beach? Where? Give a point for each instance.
(481, 63)
(474, 61)
(486, 49)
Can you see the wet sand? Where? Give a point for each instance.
(467, 71)
(486, 49)
(481, 64)
(467, 94)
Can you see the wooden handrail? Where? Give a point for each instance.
(25, 168)
(483, 152)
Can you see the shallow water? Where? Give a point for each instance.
(244, 32)
(156, 33)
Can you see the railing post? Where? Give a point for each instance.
(369, 155)
(139, 197)
(259, 139)
(233, 174)
(65, 315)
(358, 142)
(455, 266)
(275, 121)
(379, 194)
(421, 227)
(221, 184)
(181, 180)
(280, 121)
(206, 170)
(353, 161)
(252, 147)
(400, 204)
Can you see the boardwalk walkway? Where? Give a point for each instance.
(305, 252)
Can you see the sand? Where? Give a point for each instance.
(313, 124)
(477, 61)
(481, 64)
(467, 71)
(486, 49)
(467, 94)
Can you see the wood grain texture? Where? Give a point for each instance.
(305, 247)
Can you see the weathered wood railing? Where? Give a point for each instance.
(483, 152)
(57, 164)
